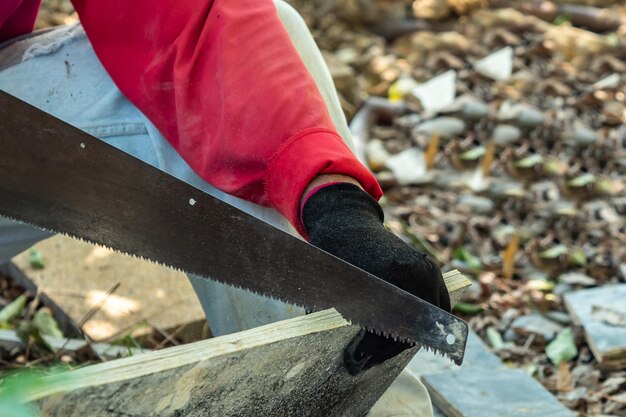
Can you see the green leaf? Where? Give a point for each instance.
(31, 335)
(495, 338)
(35, 259)
(13, 309)
(613, 39)
(582, 180)
(16, 386)
(540, 285)
(9, 408)
(578, 257)
(464, 255)
(554, 166)
(562, 348)
(474, 153)
(530, 161)
(607, 186)
(554, 252)
(562, 19)
(46, 324)
(467, 308)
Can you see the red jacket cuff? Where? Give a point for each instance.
(307, 154)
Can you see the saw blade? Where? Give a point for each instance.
(61, 179)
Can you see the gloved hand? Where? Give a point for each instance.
(347, 222)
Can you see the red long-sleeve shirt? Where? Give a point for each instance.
(224, 84)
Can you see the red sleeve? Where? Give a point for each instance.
(17, 17)
(224, 84)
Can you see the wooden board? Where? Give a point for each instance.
(602, 313)
(456, 283)
(290, 368)
(476, 392)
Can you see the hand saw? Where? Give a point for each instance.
(58, 178)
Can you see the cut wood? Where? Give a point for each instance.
(290, 368)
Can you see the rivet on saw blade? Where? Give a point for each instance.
(450, 339)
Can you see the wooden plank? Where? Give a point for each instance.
(495, 393)
(456, 283)
(602, 313)
(290, 368)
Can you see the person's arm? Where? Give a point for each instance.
(17, 17)
(224, 84)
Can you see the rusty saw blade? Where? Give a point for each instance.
(59, 178)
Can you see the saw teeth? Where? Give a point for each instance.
(152, 261)
(378, 332)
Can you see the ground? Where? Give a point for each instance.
(520, 184)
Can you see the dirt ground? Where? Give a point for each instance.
(77, 277)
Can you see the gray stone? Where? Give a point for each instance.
(473, 111)
(612, 81)
(497, 65)
(478, 205)
(584, 136)
(505, 135)
(536, 324)
(521, 115)
(529, 118)
(447, 127)
(576, 278)
(562, 289)
(409, 167)
(492, 393)
(509, 335)
(477, 356)
(559, 317)
(602, 312)
(437, 93)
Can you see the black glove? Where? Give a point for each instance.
(344, 220)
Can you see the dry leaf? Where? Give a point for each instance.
(508, 257)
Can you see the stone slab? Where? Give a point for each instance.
(602, 313)
(492, 393)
